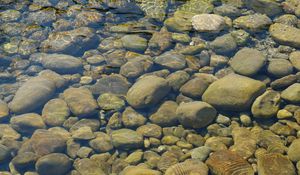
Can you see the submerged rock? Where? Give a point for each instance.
(195, 114)
(275, 163)
(154, 9)
(27, 123)
(126, 139)
(147, 91)
(134, 43)
(253, 23)
(266, 105)
(80, 101)
(55, 163)
(247, 61)
(71, 42)
(292, 93)
(208, 23)
(24, 100)
(61, 63)
(227, 162)
(238, 96)
(188, 167)
(284, 34)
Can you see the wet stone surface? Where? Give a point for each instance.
(149, 87)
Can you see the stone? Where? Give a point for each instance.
(284, 114)
(138, 170)
(208, 23)
(134, 43)
(200, 153)
(72, 42)
(283, 82)
(24, 101)
(196, 114)
(88, 18)
(126, 139)
(4, 111)
(239, 96)
(227, 162)
(155, 9)
(147, 91)
(275, 163)
(55, 112)
(295, 59)
(247, 61)
(94, 124)
(102, 143)
(24, 160)
(132, 119)
(165, 114)
(223, 44)
(159, 42)
(292, 93)
(114, 84)
(244, 142)
(134, 158)
(279, 68)
(59, 80)
(150, 130)
(197, 7)
(293, 151)
(268, 7)
(110, 102)
(227, 10)
(136, 67)
(27, 123)
(83, 133)
(171, 60)
(169, 140)
(80, 101)
(177, 79)
(43, 142)
(266, 105)
(55, 163)
(4, 153)
(61, 63)
(188, 167)
(7, 132)
(253, 23)
(194, 88)
(88, 167)
(286, 35)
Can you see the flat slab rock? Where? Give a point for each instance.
(226, 162)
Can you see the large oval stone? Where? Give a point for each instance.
(27, 123)
(195, 114)
(126, 139)
(80, 101)
(147, 91)
(60, 63)
(55, 163)
(32, 94)
(233, 92)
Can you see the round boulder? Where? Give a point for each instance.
(55, 163)
(247, 61)
(233, 92)
(195, 114)
(147, 91)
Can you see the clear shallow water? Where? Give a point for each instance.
(133, 87)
